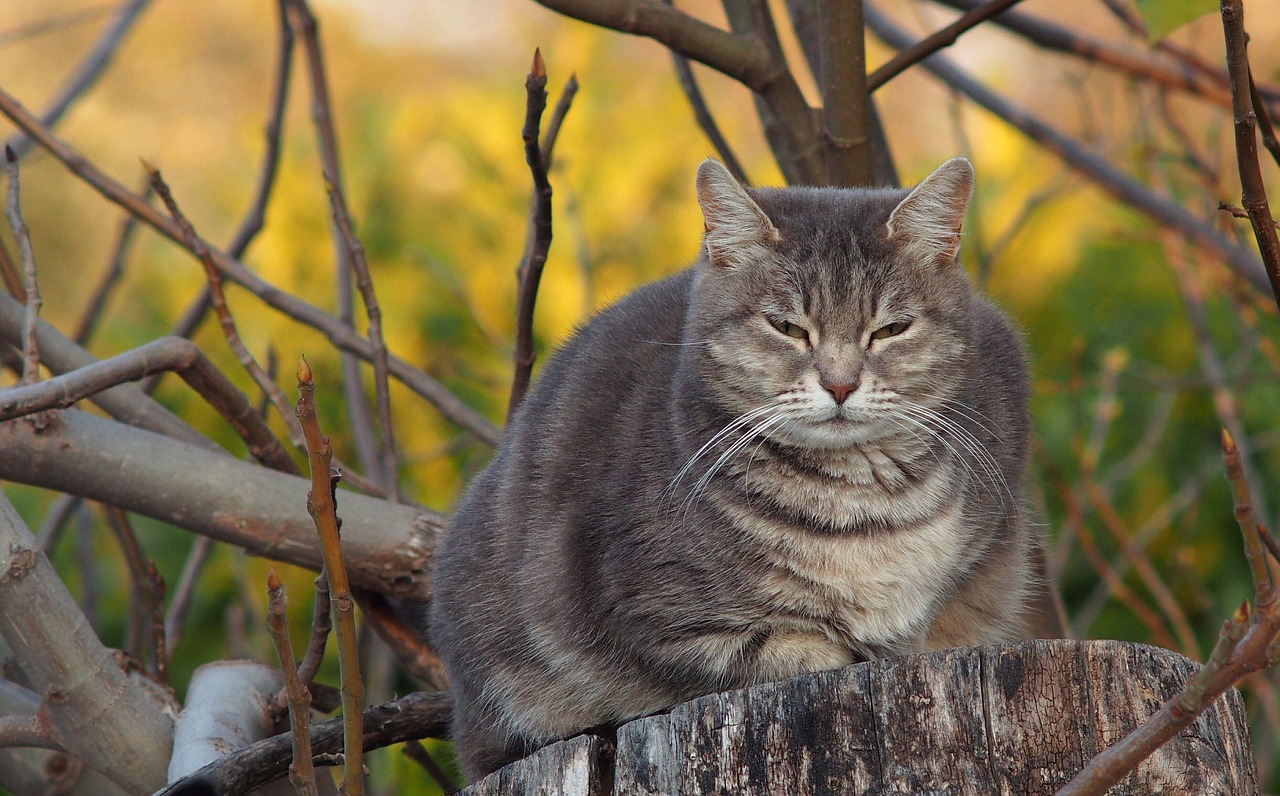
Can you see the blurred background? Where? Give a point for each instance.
(1142, 348)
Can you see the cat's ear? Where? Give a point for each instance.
(928, 220)
(736, 226)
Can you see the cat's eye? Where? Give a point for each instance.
(891, 330)
(790, 329)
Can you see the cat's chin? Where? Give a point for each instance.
(830, 434)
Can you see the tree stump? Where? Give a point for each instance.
(1006, 719)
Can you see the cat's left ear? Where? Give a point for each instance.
(736, 226)
(928, 221)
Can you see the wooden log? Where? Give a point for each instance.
(1006, 719)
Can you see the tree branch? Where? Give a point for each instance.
(90, 69)
(1115, 182)
(338, 333)
(1254, 193)
(389, 546)
(846, 138)
(944, 37)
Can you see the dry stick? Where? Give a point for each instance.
(529, 274)
(87, 73)
(1269, 139)
(1137, 64)
(30, 352)
(364, 282)
(321, 624)
(255, 216)
(110, 278)
(339, 334)
(702, 114)
(944, 37)
(1162, 210)
(558, 114)
(1137, 555)
(404, 639)
(302, 773)
(9, 274)
(176, 617)
(1244, 646)
(219, 303)
(415, 751)
(416, 715)
(246, 359)
(320, 505)
(359, 416)
(846, 125)
(136, 635)
(217, 297)
(168, 353)
(159, 647)
(1253, 192)
(790, 125)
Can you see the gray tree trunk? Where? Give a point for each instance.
(1008, 719)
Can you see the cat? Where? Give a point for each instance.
(802, 452)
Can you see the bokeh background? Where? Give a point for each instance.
(1125, 325)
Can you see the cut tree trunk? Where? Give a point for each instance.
(1007, 719)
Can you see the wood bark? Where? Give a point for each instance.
(1006, 719)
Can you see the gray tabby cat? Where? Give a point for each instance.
(802, 452)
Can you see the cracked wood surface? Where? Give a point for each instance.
(1006, 719)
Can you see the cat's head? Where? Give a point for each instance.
(838, 308)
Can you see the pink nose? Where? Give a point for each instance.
(840, 391)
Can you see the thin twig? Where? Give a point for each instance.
(9, 274)
(1269, 139)
(416, 715)
(321, 625)
(201, 547)
(1162, 210)
(159, 647)
(790, 125)
(302, 773)
(321, 507)
(137, 631)
(558, 114)
(110, 278)
(1245, 645)
(944, 37)
(1253, 192)
(530, 272)
(369, 450)
(30, 352)
(339, 334)
(415, 751)
(167, 353)
(364, 282)
(90, 69)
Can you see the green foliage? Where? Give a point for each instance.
(1165, 16)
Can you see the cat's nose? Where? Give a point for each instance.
(840, 391)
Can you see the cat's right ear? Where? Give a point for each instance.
(736, 226)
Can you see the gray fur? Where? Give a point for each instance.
(649, 532)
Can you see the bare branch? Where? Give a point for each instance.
(168, 353)
(1254, 193)
(219, 496)
(1115, 182)
(139, 619)
(846, 127)
(416, 715)
(31, 288)
(321, 624)
(321, 505)
(302, 773)
(415, 751)
(944, 37)
(110, 278)
(87, 73)
(201, 546)
(529, 275)
(338, 333)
